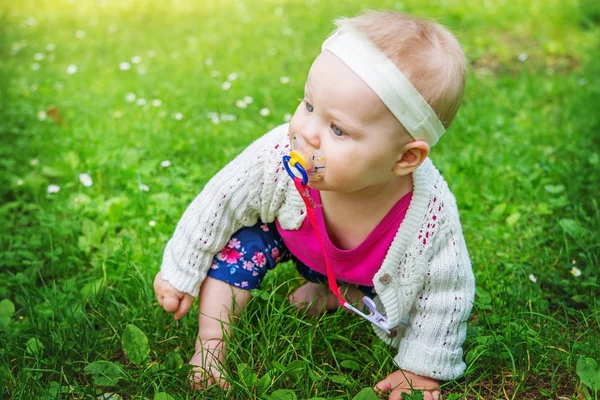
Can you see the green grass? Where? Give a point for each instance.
(77, 266)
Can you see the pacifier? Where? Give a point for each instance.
(309, 164)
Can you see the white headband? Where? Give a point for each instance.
(388, 83)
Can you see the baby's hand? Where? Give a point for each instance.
(400, 382)
(171, 299)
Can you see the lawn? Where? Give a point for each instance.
(114, 114)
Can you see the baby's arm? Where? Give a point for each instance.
(250, 187)
(431, 348)
(432, 343)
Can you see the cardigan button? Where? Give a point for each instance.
(385, 279)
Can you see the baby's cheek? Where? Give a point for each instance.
(341, 171)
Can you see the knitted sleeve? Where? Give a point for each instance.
(432, 342)
(250, 187)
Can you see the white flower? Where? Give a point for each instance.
(278, 10)
(50, 46)
(284, 80)
(156, 103)
(130, 97)
(178, 116)
(287, 117)
(232, 76)
(523, 57)
(240, 103)
(208, 61)
(35, 66)
(143, 187)
(136, 59)
(30, 21)
(18, 46)
(71, 69)
(80, 34)
(532, 278)
(141, 102)
(264, 112)
(34, 161)
(124, 66)
(228, 117)
(151, 53)
(53, 189)
(575, 271)
(248, 99)
(226, 85)
(19, 182)
(215, 119)
(142, 71)
(214, 74)
(85, 180)
(42, 115)
(152, 223)
(165, 164)
(39, 56)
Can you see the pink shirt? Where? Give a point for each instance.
(356, 266)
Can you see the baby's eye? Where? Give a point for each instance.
(308, 106)
(336, 130)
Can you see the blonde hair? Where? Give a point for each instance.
(426, 52)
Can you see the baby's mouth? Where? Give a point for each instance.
(304, 162)
(310, 159)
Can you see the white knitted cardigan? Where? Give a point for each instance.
(425, 275)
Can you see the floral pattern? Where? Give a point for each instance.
(248, 255)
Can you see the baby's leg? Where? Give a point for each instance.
(220, 304)
(239, 267)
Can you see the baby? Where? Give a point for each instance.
(379, 95)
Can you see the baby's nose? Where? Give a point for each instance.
(311, 135)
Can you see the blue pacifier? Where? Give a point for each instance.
(308, 163)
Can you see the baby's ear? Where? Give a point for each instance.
(414, 153)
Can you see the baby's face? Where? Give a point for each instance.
(342, 117)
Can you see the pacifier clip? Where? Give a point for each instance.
(374, 316)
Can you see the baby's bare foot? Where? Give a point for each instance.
(316, 299)
(208, 361)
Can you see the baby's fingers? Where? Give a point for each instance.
(435, 395)
(184, 306)
(383, 386)
(170, 303)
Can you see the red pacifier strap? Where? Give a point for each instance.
(310, 209)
